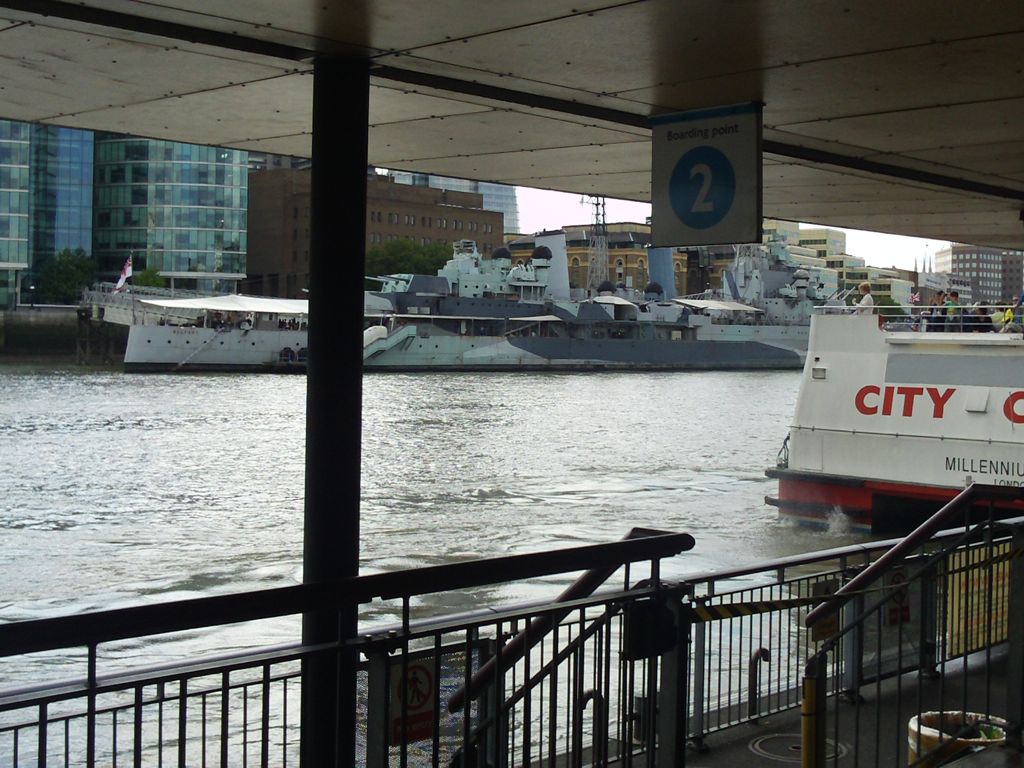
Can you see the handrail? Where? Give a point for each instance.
(519, 645)
(973, 493)
(808, 558)
(96, 627)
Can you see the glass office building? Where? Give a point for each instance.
(15, 141)
(173, 207)
(61, 192)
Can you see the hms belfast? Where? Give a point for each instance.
(486, 313)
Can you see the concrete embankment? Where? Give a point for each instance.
(59, 333)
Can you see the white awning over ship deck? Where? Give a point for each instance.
(731, 306)
(235, 303)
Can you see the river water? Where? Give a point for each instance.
(122, 489)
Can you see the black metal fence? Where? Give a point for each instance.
(626, 676)
(245, 709)
(922, 652)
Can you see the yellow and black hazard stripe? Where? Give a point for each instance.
(735, 610)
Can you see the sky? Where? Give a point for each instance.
(542, 209)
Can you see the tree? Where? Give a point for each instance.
(150, 277)
(888, 308)
(405, 256)
(62, 279)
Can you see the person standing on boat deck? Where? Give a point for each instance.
(954, 320)
(938, 320)
(984, 323)
(866, 305)
(1011, 318)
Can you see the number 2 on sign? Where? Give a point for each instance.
(701, 204)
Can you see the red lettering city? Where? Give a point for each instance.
(887, 401)
(909, 393)
(939, 400)
(861, 403)
(872, 400)
(1010, 408)
(891, 396)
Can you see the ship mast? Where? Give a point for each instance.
(597, 257)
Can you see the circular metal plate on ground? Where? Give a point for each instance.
(785, 747)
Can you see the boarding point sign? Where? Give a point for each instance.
(706, 177)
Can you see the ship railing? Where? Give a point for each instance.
(921, 653)
(919, 317)
(122, 307)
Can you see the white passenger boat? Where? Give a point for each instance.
(218, 333)
(890, 425)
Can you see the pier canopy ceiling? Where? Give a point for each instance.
(903, 117)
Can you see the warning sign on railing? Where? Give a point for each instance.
(977, 590)
(897, 610)
(420, 696)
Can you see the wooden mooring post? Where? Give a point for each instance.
(96, 341)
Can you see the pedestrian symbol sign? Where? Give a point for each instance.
(706, 177)
(420, 702)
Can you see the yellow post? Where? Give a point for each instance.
(812, 714)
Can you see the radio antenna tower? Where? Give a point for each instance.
(597, 258)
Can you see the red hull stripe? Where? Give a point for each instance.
(813, 497)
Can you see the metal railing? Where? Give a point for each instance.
(626, 676)
(921, 652)
(242, 708)
(924, 318)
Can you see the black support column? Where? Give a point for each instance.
(334, 396)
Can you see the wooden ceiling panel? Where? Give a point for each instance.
(610, 160)
(59, 74)
(864, 102)
(915, 131)
(217, 110)
(483, 133)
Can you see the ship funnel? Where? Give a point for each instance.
(659, 260)
(553, 246)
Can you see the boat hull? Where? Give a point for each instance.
(864, 505)
(153, 348)
(889, 426)
(452, 353)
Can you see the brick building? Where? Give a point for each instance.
(279, 224)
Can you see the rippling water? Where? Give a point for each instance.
(124, 488)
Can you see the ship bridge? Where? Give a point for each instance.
(894, 117)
